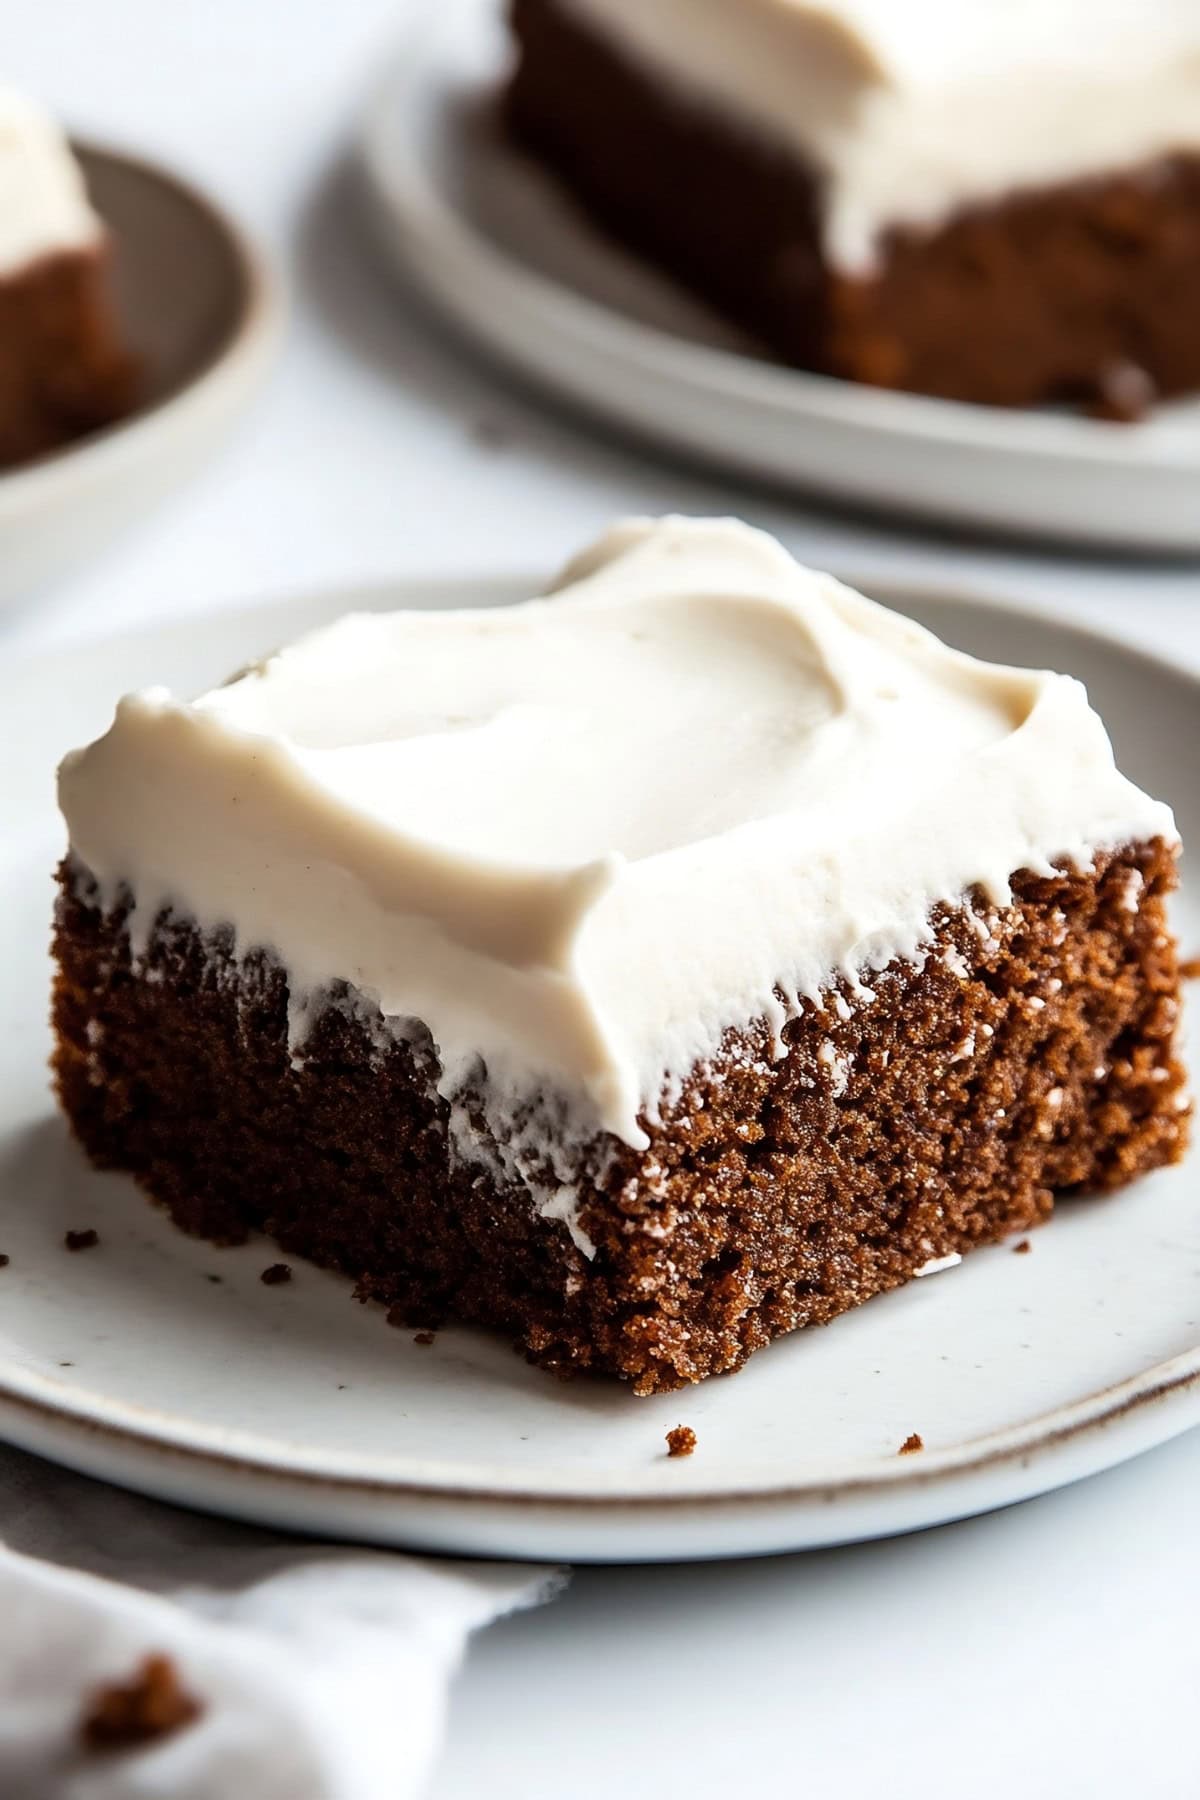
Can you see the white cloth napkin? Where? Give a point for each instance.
(322, 1673)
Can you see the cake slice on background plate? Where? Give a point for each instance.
(63, 368)
(994, 201)
(645, 970)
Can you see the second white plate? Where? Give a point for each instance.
(498, 251)
(161, 1363)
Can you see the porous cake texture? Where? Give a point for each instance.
(503, 1049)
(991, 203)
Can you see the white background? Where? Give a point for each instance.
(1048, 1651)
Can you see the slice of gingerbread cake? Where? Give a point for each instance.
(63, 367)
(975, 199)
(645, 970)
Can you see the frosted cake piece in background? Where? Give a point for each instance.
(991, 201)
(63, 368)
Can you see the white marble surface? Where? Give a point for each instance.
(1048, 1650)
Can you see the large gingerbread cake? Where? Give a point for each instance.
(645, 970)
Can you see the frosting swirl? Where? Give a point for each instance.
(581, 836)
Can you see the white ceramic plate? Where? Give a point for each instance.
(201, 311)
(293, 1405)
(499, 252)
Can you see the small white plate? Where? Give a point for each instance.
(294, 1406)
(498, 250)
(200, 310)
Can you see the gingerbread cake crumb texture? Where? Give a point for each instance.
(912, 1443)
(773, 1195)
(81, 1240)
(276, 1275)
(150, 1706)
(681, 1441)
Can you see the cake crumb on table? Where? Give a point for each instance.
(912, 1443)
(81, 1240)
(681, 1441)
(424, 1338)
(276, 1274)
(1023, 1248)
(152, 1704)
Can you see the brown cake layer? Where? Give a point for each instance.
(1031, 1056)
(1084, 293)
(63, 370)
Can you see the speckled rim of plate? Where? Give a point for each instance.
(250, 1475)
(250, 1454)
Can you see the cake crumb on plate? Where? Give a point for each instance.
(81, 1240)
(1023, 1248)
(152, 1704)
(276, 1274)
(681, 1441)
(912, 1443)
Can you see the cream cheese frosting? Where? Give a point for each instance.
(912, 111)
(44, 206)
(582, 836)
